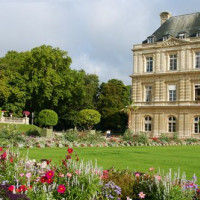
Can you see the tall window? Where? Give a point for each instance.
(147, 123)
(172, 92)
(172, 124)
(197, 92)
(198, 34)
(173, 62)
(197, 59)
(149, 67)
(196, 124)
(148, 93)
(151, 39)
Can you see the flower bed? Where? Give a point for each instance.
(22, 178)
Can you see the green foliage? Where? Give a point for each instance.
(142, 138)
(88, 118)
(91, 138)
(71, 135)
(124, 179)
(128, 135)
(48, 118)
(163, 138)
(191, 140)
(113, 97)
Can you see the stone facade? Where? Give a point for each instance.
(166, 86)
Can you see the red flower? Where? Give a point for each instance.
(61, 189)
(11, 160)
(49, 180)
(3, 156)
(23, 188)
(70, 150)
(19, 190)
(43, 179)
(11, 188)
(1, 149)
(68, 157)
(49, 174)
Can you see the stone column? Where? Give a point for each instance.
(138, 123)
(161, 123)
(134, 90)
(133, 122)
(156, 90)
(182, 60)
(139, 91)
(135, 63)
(157, 62)
(181, 90)
(180, 125)
(186, 129)
(155, 125)
(188, 90)
(162, 90)
(140, 63)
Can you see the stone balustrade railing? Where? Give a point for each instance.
(14, 120)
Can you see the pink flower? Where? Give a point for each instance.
(151, 169)
(22, 174)
(28, 175)
(137, 175)
(77, 172)
(158, 178)
(141, 195)
(1, 149)
(61, 175)
(61, 189)
(69, 175)
(49, 174)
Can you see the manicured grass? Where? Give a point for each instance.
(135, 158)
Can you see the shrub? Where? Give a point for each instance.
(128, 135)
(163, 138)
(71, 135)
(88, 118)
(191, 140)
(142, 138)
(47, 118)
(33, 132)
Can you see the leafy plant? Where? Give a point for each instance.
(142, 138)
(71, 135)
(128, 135)
(163, 138)
(47, 118)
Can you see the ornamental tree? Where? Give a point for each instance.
(88, 118)
(47, 118)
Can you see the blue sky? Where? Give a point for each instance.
(97, 34)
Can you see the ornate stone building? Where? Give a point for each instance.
(166, 78)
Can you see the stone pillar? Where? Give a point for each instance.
(188, 90)
(161, 123)
(155, 125)
(140, 63)
(133, 122)
(135, 63)
(187, 123)
(162, 90)
(180, 125)
(157, 62)
(156, 91)
(138, 127)
(139, 91)
(182, 60)
(181, 90)
(134, 90)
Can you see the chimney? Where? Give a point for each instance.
(164, 16)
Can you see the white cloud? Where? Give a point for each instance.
(98, 34)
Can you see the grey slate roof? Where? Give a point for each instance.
(189, 23)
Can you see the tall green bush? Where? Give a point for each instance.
(47, 118)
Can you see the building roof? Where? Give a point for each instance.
(189, 23)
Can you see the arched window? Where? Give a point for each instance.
(196, 124)
(147, 123)
(172, 124)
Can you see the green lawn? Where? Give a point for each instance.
(135, 158)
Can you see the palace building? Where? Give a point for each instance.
(166, 79)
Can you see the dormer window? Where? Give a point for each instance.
(151, 39)
(166, 37)
(198, 34)
(182, 35)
